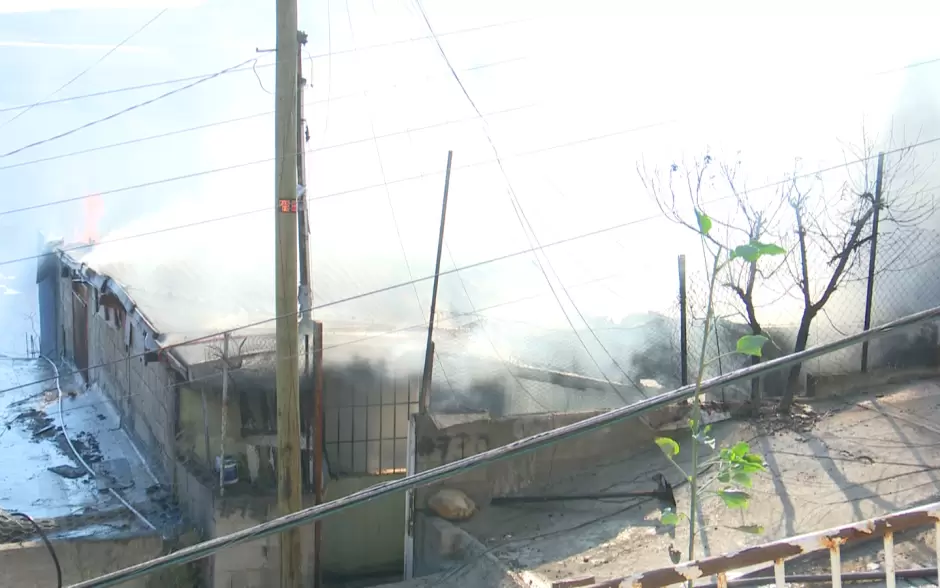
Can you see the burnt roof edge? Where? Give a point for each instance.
(105, 283)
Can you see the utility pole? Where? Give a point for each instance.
(872, 253)
(225, 338)
(425, 392)
(318, 423)
(285, 274)
(305, 293)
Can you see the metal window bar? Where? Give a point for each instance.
(310, 514)
(346, 441)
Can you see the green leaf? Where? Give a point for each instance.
(669, 518)
(752, 529)
(742, 479)
(754, 250)
(704, 222)
(746, 252)
(669, 446)
(754, 458)
(740, 449)
(724, 477)
(734, 498)
(747, 467)
(768, 248)
(751, 345)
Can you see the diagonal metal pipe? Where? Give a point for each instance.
(513, 449)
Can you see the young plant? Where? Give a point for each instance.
(733, 466)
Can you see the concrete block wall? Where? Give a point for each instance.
(65, 328)
(532, 470)
(255, 564)
(27, 565)
(145, 394)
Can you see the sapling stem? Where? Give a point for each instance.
(697, 406)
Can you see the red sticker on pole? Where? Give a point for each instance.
(286, 205)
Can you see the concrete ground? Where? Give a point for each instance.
(838, 462)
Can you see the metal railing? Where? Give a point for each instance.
(777, 552)
(513, 449)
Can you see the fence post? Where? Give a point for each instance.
(873, 250)
(683, 325)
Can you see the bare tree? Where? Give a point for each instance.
(838, 223)
(758, 220)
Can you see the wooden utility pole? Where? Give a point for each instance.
(285, 274)
(425, 392)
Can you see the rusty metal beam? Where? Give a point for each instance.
(826, 540)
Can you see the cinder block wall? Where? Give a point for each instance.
(536, 469)
(29, 565)
(145, 395)
(64, 330)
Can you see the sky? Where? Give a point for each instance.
(573, 96)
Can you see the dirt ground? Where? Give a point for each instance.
(840, 461)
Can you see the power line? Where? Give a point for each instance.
(524, 221)
(89, 68)
(262, 66)
(123, 111)
(253, 116)
(333, 194)
(412, 178)
(489, 339)
(388, 194)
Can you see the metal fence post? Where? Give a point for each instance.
(683, 325)
(870, 292)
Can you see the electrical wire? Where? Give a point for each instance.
(401, 180)
(45, 540)
(326, 101)
(89, 68)
(123, 111)
(253, 116)
(524, 221)
(489, 339)
(246, 67)
(332, 194)
(388, 194)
